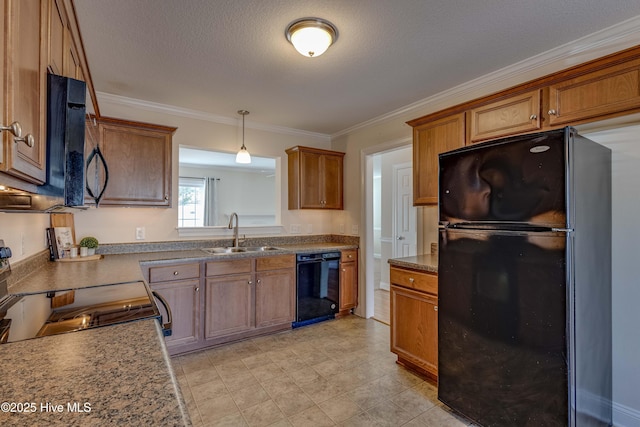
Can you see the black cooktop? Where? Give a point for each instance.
(26, 316)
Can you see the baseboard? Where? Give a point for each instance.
(385, 286)
(624, 416)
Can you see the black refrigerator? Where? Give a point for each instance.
(524, 281)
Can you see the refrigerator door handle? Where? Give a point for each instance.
(562, 230)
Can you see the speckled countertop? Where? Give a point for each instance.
(118, 375)
(428, 262)
(124, 268)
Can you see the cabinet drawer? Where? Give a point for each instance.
(349, 255)
(275, 262)
(232, 266)
(174, 272)
(411, 279)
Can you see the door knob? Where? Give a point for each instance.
(400, 238)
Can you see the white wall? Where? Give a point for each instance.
(624, 142)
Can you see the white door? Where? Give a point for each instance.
(404, 212)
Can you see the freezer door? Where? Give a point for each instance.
(520, 179)
(502, 322)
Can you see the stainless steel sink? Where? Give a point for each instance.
(234, 250)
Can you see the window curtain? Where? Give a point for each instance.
(211, 202)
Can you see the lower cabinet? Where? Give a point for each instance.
(247, 297)
(180, 286)
(414, 320)
(348, 280)
(233, 299)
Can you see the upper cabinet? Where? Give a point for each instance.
(138, 158)
(429, 140)
(38, 36)
(315, 178)
(595, 95)
(515, 114)
(24, 89)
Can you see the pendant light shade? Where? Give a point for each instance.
(243, 155)
(311, 36)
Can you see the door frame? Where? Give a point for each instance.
(366, 217)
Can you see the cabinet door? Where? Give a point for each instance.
(229, 305)
(429, 140)
(56, 39)
(139, 163)
(517, 114)
(311, 194)
(275, 297)
(25, 88)
(596, 94)
(331, 182)
(183, 298)
(348, 285)
(414, 327)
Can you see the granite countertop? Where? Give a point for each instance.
(427, 262)
(117, 375)
(124, 268)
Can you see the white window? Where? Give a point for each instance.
(191, 202)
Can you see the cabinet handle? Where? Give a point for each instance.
(197, 288)
(533, 117)
(435, 308)
(175, 273)
(411, 279)
(249, 282)
(258, 281)
(349, 256)
(552, 112)
(14, 128)
(28, 139)
(344, 270)
(166, 197)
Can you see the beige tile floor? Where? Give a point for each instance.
(338, 372)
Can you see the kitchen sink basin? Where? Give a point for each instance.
(241, 249)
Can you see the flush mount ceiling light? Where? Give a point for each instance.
(243, 155)
(311, 36)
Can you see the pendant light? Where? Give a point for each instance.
(311, 36)
(243, 155)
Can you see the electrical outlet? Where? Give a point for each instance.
(355, 229)
(294, 228)
(140, 233)
(309, 228)
(341, 228)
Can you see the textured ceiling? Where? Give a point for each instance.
(219, 56)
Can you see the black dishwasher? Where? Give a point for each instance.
(318, 287)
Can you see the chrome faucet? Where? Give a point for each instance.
(235, 229)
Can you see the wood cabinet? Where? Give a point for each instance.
(180, 285)
(595, 95)
(234, 298)
(414, 320)
(248, 296)
(24, 89)
(275, 291)
(348, 281)
(138, 157)
(315, 178)
(429, 140)
(230, 298)
(515, 114)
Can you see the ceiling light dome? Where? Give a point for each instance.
(311, 36)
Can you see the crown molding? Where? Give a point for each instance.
(601, 43)
(201, 115)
